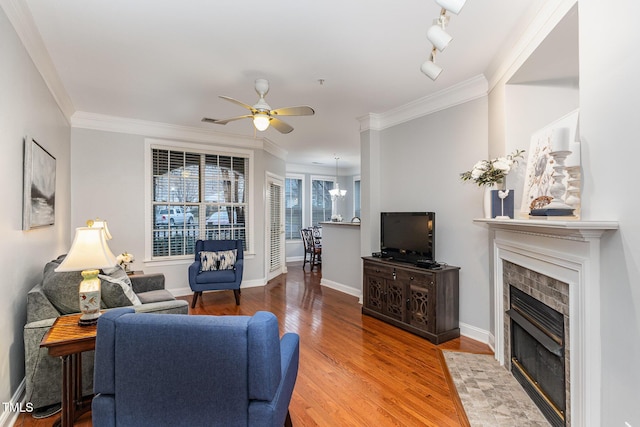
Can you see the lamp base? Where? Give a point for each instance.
(89, 293)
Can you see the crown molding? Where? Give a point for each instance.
(20, 17)
(543, 21)
(106, 123)
(468, 90)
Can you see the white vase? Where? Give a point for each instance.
(486, 201)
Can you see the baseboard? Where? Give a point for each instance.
(342, 288)
(9, 414)
(475, 333)
(295, 258)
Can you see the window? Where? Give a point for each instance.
(293, 190)
(321, 199)
(197, 196)
(356, 197)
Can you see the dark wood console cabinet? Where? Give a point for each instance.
(418, 300)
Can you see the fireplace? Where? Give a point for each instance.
(537, 353)
(557, 262)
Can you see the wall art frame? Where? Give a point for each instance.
(39, 197)
(538, 175)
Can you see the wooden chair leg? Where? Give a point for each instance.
(236, 293)
(195, 298)
(287, 421)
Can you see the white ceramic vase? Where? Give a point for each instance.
(486, 202)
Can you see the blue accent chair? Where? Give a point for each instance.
(200, 281)
(178, 370)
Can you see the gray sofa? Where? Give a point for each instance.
(57, 295)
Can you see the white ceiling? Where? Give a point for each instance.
(167, 61)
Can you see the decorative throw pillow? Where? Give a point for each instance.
(227, 259)
(116, 289)
(208, 261)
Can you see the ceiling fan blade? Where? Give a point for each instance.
(302, 110)
(235, 101)
(225, 121)
(280, 126)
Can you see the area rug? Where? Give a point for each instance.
(491, 396)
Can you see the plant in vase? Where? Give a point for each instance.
(125, 259)
(491, 174)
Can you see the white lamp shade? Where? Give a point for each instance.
(453, 6)
(89, 250)
(431, 69)
(261, 121)
(438, 37)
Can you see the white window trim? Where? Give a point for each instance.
(301, 177)
(151, 143)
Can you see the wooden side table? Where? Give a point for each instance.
(68, 340)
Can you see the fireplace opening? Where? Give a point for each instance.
(537, 353)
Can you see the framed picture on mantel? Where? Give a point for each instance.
(39, 197)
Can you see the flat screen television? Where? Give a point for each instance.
(408, 236)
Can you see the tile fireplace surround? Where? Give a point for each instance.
(568, 251)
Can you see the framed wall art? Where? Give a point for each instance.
(39, 186)
(538, 176)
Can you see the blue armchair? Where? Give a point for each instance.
(213, 271)
(169, 370)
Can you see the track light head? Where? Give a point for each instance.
(438, 37)
(453, 6)
(431, 69)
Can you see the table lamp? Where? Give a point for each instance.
(89, 253)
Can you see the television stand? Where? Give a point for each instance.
(419, 300)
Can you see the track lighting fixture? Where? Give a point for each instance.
(453, 6)
(438, 37)
(430, 68)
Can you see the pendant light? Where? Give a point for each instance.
(336, 192)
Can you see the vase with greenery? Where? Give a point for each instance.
(491, 175)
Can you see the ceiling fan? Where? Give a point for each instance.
(261, 112)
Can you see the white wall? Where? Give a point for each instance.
(610, 125)
(26, 107)
(420, 165)
(529, 109)
(108, 175)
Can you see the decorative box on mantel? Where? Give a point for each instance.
(566, 251)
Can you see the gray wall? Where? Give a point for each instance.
(26, 107)
(420, 162)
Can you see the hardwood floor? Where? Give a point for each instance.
(354, 370)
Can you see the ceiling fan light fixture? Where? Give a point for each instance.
(261, 121)
(453, 6)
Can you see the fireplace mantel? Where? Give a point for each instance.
(569, 251)
(561, 228)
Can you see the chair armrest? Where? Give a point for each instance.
(147, 282)
(239, 266)
(263, 413)
(194, 269)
